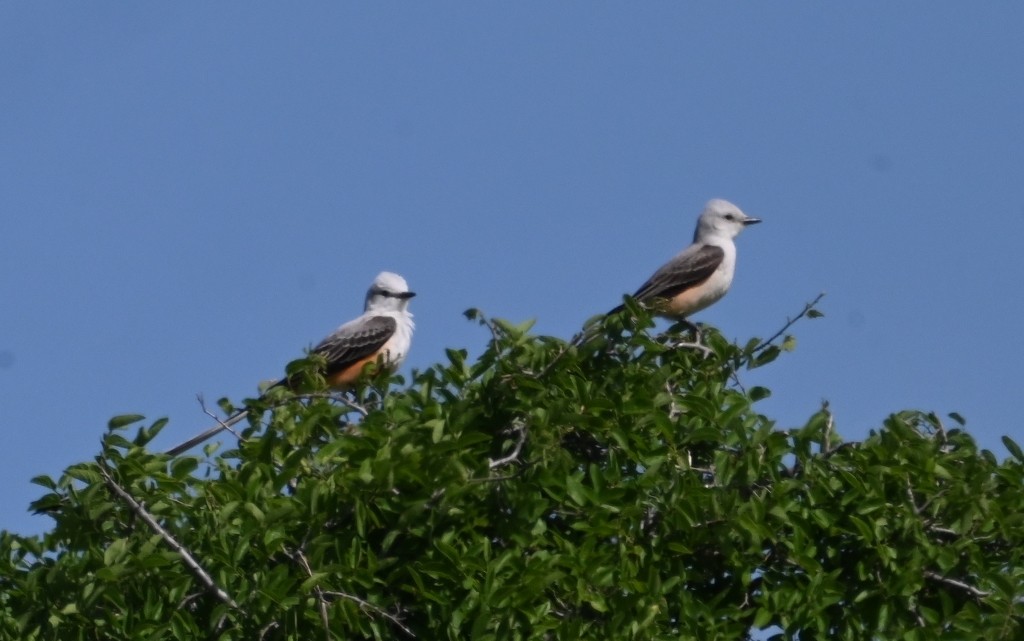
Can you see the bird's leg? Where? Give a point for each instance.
(698, 337)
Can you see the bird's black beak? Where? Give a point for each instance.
(405, 295)
(750, 221)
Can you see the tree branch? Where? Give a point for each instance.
(320, 600)
(707, 351)
(970, 589)
(366, 605)
(512, 456)
(826, 438)
(321, 595)
(337, 397)
(197, 570)
(789, 323)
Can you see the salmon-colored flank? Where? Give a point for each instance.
(688, 301)
(350, 374)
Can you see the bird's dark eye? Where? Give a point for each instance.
(730, 217)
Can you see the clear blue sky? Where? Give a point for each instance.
(190, 194)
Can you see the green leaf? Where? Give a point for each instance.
(768, 355)
(1013, 448)
(762, 618)
(758, 393)
(44, 481)
(85, 472)
(576, 491)
(115, 552)
(124, 420)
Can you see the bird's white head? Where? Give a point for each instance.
(721, 218)
(388, 293)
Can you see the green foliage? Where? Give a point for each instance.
(620, 486)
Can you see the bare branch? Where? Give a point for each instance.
(789, 323)
(320, 600)
(495, 333)
(561, 352)
(338, 397)
(911, 499)
(267, 629)
(223, 424)
(826, 439)
(514, 454)
(940, 429)
(366, 605)
(734, 375)
(673, 409)
(707, 351)
(920, 619)
(202, 575)
(970, 589)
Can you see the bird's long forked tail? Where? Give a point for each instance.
(234, 419)
(595, 325)
(290, 381)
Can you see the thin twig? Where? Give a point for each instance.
(945, 531)
(338, 397)
(789, 323)
(970, 589)
(920, 619)
(673, 408)
(520, 440)
(940, 431)
(321, 601)
(495, 334)
(366, 605)
(698, 346)
(826, 439)
(202, 575)
(561, 352)
(321, 594)
(911, 499)
(734, 375)
(187, 601)
(224, 425)
(498, 479)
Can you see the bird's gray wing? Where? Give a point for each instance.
(689, 269)
(352, 343)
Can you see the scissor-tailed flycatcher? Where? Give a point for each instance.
(702, 273)
(381, 335)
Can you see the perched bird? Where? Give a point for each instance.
(382, 334)
(702, 273)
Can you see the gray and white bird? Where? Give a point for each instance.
(382, 335)
(701, 274)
